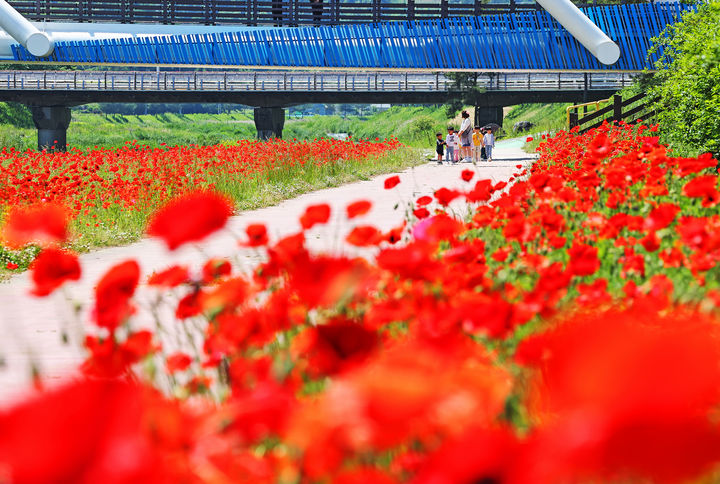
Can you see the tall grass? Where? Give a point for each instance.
(117, 226)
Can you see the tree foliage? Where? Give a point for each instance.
(688, 80)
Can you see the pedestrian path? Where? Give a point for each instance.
(33, 328)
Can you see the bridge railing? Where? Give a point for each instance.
(263, 12)
(302, 81)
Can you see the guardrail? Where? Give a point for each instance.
(630, 110)
(301, 81)
(263, 12)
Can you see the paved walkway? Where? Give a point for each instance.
(31, 328)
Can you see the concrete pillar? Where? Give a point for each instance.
(52, 123)
(269, 122)
(488, 114)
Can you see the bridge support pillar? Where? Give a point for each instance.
(269, 122)
(52, 123)
(488, 114)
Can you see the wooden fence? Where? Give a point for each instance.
(630, 110)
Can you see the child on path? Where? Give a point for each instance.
(477, 139)
(489, 142)
(439, 147)
(451, 141)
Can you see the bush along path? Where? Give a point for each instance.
(557, 326)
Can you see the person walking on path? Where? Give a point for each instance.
(451, 141)
(466, 137)
(489, 142)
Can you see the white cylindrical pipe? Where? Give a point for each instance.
(582, 28)
(26, 34)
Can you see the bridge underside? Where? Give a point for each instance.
(279, 98)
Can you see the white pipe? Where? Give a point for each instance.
(582, 28)
(65, 32)
(36, 42)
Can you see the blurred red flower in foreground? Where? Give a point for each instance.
(391, 182)
(314, 215)
(190, 218)
(170, 277)
(355, 209)
(113, 293)
(257, 235)
(364, 236)
(52, 268)
(624, 395)
(111, 432)
(41, 224)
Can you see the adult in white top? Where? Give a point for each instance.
(466, 137)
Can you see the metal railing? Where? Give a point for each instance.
(302, 81)
(263, 12)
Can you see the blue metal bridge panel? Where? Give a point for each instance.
(517, 41)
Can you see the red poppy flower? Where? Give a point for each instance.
(600, 146)
(189, 306)
(467, 175)
(315, 214)
(438, 228)
(333, 347)
(704, 187)
(43, 225)
(215, 269)
(661, 216)
(177, 362)
(257, 235)
(583, 259)
(482, 192)
(445, 195)
(113, 293)
(651, 242)
(364, 236)
(423, 201)
(355, 209)
(190, 218)
(11, 266)
(170, 277)
(421, 213)
(51, 269)
(391, 182)
(644, 411)
(96, 419)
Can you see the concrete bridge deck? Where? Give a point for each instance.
(273, 88)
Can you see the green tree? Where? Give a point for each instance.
(687, 81)
(423, 127)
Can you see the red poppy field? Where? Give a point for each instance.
(110, 192)
(567, 331)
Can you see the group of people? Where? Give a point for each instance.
(470, 144)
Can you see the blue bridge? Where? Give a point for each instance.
(365, 49)
(525, 40)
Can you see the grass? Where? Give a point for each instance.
(264, 190)
(414, 126)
